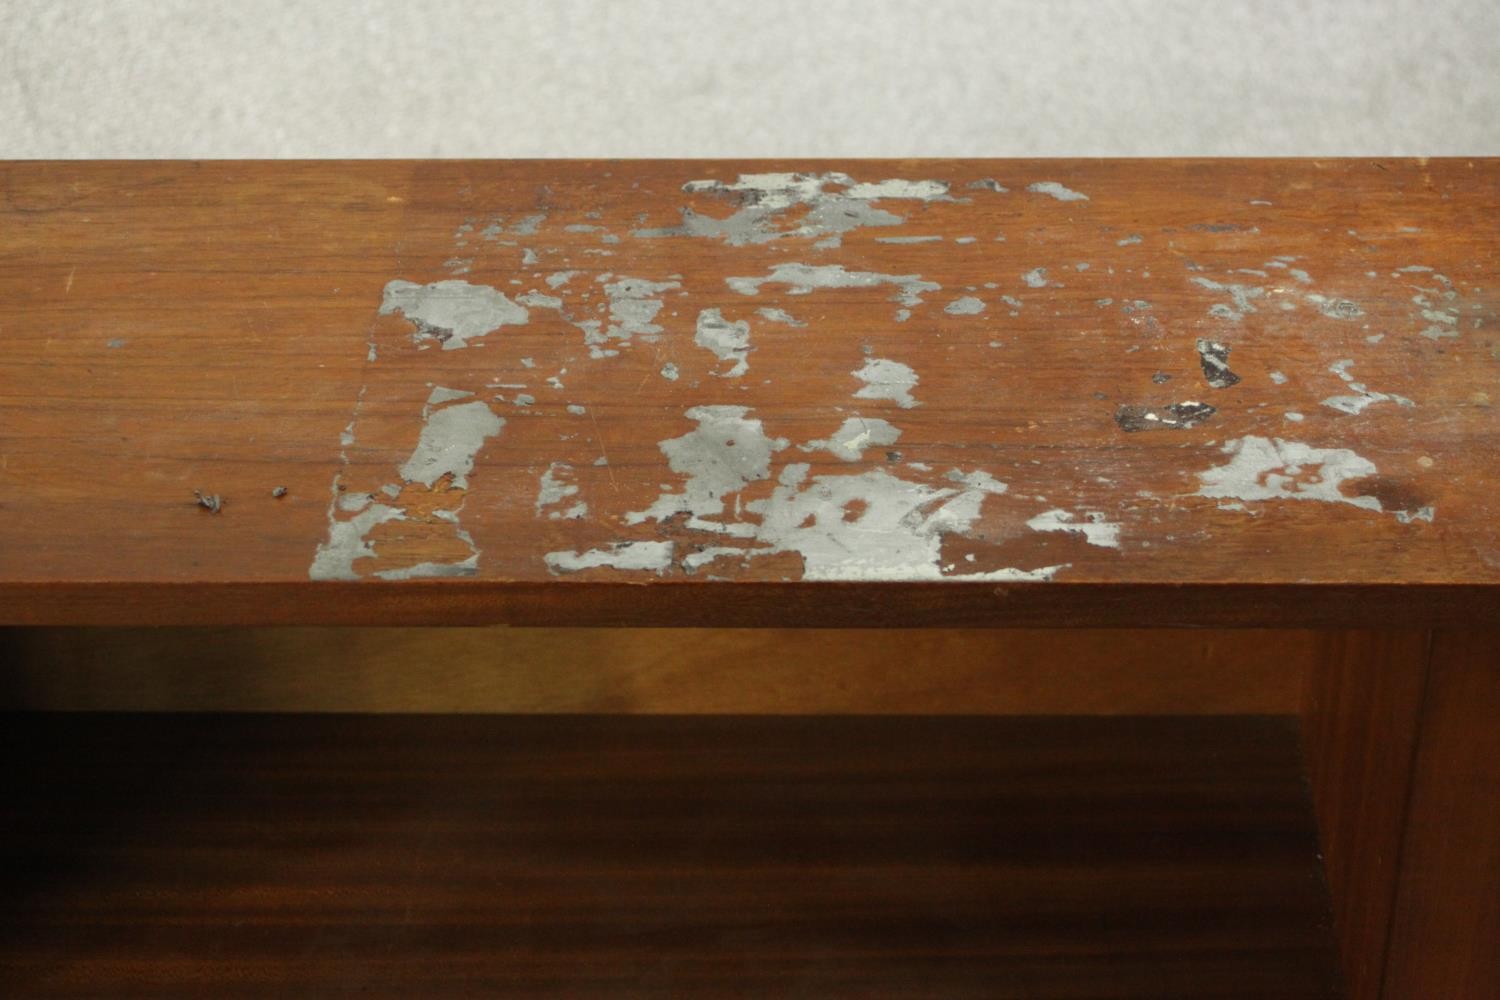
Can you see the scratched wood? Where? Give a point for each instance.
(863, 392)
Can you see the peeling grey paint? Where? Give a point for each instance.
(346, 542)
(633, 306)
(451, 438)
(1274, 469)
(872, 526)
(1360, 397)
(778, 316)
(856, 435)
(966, 306)
(1242, 297)
(554, 488)
(1035, 278)
(725, 451)
(725, 340)
(804, 278)
(1094, 527)
(834, 205)
(885, 379)
(451, 312)
(1056, 190)
(650, 556)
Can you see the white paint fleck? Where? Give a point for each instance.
(966, 306)
(1035, 278)
(669, 372)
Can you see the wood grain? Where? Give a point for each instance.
(1361, 722)
(551, 856)
(735, 671)
(1447, 910)
(232, 328)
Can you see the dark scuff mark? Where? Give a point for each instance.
(1161, 377)
(1174, 416)
(1214, 357)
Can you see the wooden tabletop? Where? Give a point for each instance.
(859, 392)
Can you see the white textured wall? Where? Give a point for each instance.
(168, 78)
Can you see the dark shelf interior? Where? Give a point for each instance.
(567, 856)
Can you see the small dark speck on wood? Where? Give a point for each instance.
(211, 502)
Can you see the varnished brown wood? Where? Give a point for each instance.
(409, 856)
(737, 671)
(1446, 927)
(172, 327)
(1360, 726)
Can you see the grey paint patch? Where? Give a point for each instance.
(834, 204)
(987, 184)
(725, 451)
(1056, 190)
(441, 394)
(1093, 527)
(873, 526)
(115, 343)
(633, 306)
(554, 488)
(885, 379)
(966, 306)
(1174, 416)
(1277, 378)
(804, 278)
(724, 340)
(1274, 469)
(559, 278)
(451, 312)
(669, 372)
(1213, 357)
(1132, 240)
(900, 240)
(464, 567)
(652, 556)
(536, 300)
(1336, 308)
(1242, 297)
(856, 435)
(346, 542)
(1360, 397)
(778, 316)
(1035, 278)
(451, 438)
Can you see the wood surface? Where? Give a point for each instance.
(1062, 328)
(734, 671)
(284, 856)
(1361, 723)
(1446, 925)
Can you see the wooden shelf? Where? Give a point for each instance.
(302, 855)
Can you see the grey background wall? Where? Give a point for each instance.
(219, 78)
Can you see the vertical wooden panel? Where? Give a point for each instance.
(1363, 703)
(1445, 936)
